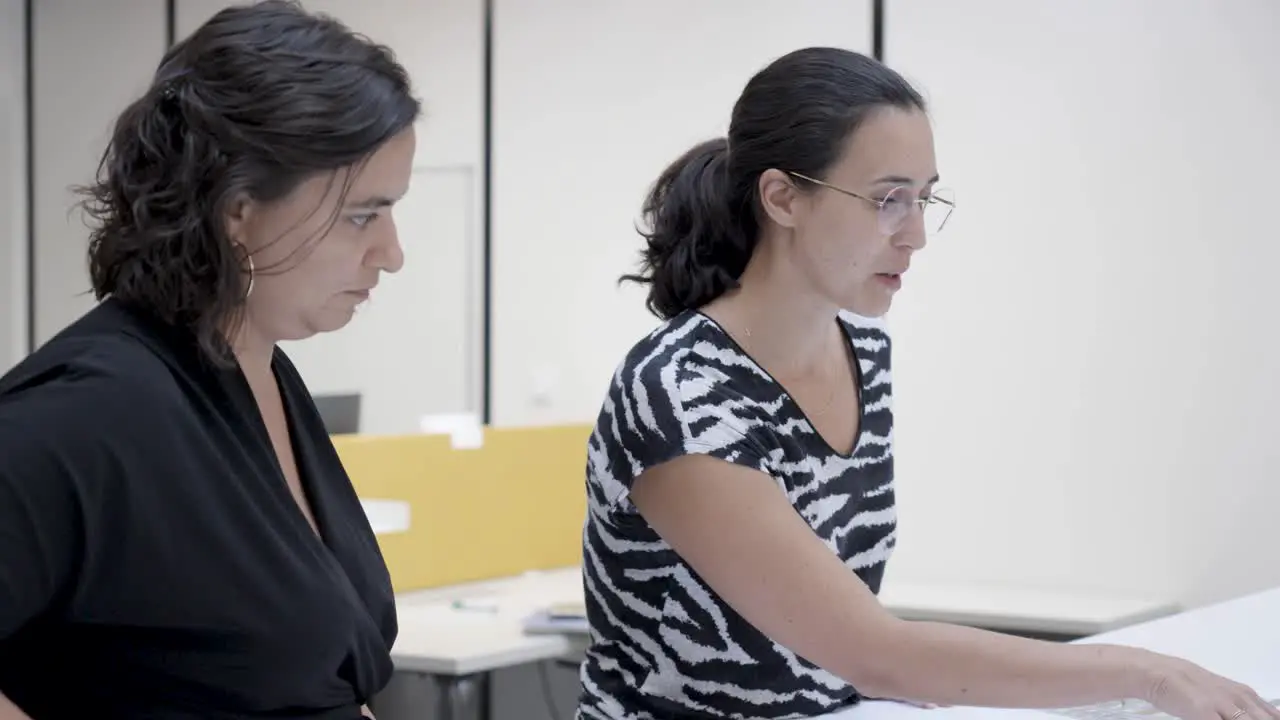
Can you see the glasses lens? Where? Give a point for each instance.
(938, 209)
(895, 209)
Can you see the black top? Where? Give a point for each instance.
(153, 562)
(663, 643)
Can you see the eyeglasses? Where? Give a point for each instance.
(894, 209)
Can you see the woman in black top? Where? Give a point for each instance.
(177, 536)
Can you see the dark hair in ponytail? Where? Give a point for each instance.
(257, 100)
(701, 217)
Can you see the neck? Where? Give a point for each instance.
(253, 353)
(773, 315)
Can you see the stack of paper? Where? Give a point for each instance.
(558, 619)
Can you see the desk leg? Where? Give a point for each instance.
(464, 697)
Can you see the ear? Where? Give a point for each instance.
(780, 198)
(236, 220)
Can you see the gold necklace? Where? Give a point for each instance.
(829, 383)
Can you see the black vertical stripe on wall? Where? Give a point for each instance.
(877, 29)
(29, 112)
(170, 23)
(486, 232)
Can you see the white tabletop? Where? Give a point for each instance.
(478, 627)
(1239, 639)
(474, 628)
(1003, 607)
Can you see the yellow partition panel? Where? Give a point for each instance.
(514, 504)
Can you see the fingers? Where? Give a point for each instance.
(1254, 706)
(1248, 705)
(1262, 709)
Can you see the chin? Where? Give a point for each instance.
(869, 308)
(335, 320)
(317, 325)
(330, 325)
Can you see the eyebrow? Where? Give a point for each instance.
(901, 180)
(377, 201)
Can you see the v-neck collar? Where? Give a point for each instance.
(313, 491)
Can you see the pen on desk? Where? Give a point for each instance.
(460, 605)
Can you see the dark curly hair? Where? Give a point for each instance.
(258, 99)
(701, 218)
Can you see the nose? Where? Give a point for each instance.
(912, 235)
(386, 254)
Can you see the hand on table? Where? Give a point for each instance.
(1188, 691)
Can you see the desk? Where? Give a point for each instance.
(1239, 639)
(1020, 610)
(460, 634)
(459, 648)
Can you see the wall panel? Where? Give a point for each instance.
(1084, 366)
(77, 98)
(13, 183)
(591, 101)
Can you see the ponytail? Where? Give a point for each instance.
(700, 232)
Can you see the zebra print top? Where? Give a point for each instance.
(663, 645)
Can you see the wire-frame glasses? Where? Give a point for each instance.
(893, 210)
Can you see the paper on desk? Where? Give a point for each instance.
(891, 710)
(544, 623)
(1121, 710)
(465, 430)
(387, 516)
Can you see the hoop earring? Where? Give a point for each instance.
(252, 273)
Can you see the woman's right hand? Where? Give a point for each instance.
(1188, 691)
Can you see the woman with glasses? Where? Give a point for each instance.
(740, 476)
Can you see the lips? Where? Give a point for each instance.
(893, 281)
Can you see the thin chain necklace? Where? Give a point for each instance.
(829, 384)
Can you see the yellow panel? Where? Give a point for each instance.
(517, 503)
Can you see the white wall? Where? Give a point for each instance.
(13, 184)
(1086, 362)
(76, 103)
(592, 101)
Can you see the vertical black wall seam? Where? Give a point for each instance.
(486, 223)
(877, 29)
(170, 23)
(29, 111)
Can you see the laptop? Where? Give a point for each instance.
(340, 413)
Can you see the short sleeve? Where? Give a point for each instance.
(663, 412)
(41, 514)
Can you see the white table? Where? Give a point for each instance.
(1239, 639)
(460, 634)
(1020, 610)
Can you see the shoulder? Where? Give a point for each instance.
(683, 367)
(679, 391)
(863, 327)
(871, 340)
(86, 378)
